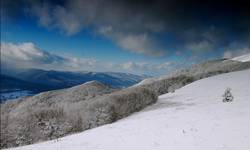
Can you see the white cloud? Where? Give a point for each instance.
(200, 46)
(164, 66)
(67, 21)
(27, 55)
(43, 12)
(141, 43)
(57, 17)
(133, 66)
(236, 52)
(235, 49)
(128, 65)
(202, 41)
(149, 68)
(25, 52)
(135, 35)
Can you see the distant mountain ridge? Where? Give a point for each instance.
(68, 79)
(9, 83)
(37, 80)
(11, 88)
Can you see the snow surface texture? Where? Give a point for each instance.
(193, 118)
(243, 58)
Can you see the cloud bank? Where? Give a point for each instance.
(27, 55)
(138, 26)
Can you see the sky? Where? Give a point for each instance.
(152, 37)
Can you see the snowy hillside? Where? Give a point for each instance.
(201, 70)
(193, 118)
(243, 58)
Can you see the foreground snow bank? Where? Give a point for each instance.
(192, 118)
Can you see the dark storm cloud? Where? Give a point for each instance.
(136, 25)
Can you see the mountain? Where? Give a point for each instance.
(57, 113)
(62, 79)
(11, 87)
(36, 80)
(193, 117)
(8, 83)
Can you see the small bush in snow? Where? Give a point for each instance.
(227, 96)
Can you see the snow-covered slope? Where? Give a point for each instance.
(202, 70)
(192, 118)
(243, 58)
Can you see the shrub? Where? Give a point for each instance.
(227, 96)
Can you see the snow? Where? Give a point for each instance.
(192, 118)
(243, 58)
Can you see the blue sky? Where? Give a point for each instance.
(137, 41)
(84, 44)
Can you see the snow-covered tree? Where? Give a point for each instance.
(227, 96)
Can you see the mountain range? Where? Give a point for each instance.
(37, 80)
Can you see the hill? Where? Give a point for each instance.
(193, 117)
(58, 113)
(54, 114)
(169, 83)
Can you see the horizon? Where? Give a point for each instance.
(138, 37)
